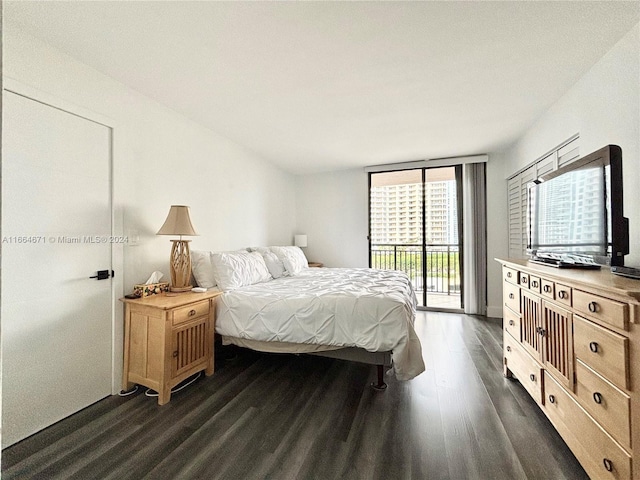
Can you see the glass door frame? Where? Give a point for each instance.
(424, 245)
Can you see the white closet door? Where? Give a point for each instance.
(56, 219)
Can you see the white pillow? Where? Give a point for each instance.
(274, 264)
(202, 269)
(236, 269)
(292, 258)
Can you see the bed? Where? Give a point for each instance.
(363, 315)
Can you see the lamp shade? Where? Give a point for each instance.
(300, 241)
(178, 222)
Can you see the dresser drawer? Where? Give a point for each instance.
(602, 309)
(548, 289)
(511, 295)
(524, 367)
(602, 350)
(190, 312)
(598, 453)
(511, 323)
(510, 275)
(524, 279)
(605, 402)
(534, 284)
(563, 294)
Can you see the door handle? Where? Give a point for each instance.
(104, 274)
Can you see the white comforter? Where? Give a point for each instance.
(344, 307)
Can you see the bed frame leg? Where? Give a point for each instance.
(380, 385)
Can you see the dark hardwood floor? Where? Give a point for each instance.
(265, 416)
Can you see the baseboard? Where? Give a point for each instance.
(495, 312)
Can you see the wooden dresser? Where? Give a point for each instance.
(572, 339)
(168, 338)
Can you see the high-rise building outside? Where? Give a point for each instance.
(397, 202)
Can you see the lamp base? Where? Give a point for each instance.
(180, 264)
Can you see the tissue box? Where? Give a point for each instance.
(147, 289)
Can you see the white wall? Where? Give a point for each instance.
(332, 210)
(497, 233)
(604, 108)
(161, 158)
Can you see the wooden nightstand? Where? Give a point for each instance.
(316, 265)
(168, 338)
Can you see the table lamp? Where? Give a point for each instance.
(300, 241)
(178, 222)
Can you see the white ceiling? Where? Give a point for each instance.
(317, 86)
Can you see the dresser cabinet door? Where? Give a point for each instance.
(557, 353)
(531, 323)
(189, 346)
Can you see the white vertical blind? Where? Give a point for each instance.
(517, 192)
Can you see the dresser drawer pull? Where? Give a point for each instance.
(525, 279)
(508, 348)
(593, 346)
(192, 313)
(534, 284)
(532, 377)
(597, 397)
(511, 296)
(512, 323)
(593, 307)
(547, 288)
(563, 294)
(508, 274)
(552, 399)
(608, 465)
(540, 331)
(175, 354)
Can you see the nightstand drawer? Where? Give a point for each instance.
(609, 405)
(602, 350)
(190, 312)
(603, 309)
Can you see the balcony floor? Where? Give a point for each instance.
(440, 300)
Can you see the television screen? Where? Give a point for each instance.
(568, 213)
(575, 214)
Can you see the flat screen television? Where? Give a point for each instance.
(575, 214)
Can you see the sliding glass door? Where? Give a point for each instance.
(415, 226)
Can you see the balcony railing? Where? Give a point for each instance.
(442, 265)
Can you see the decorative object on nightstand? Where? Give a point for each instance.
(179, 223)
(167, 339)
(300, 241)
